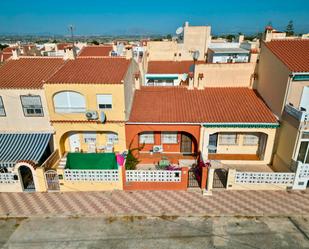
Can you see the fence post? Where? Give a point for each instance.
(40, 175)
(204, 178)
(184, 177)
(230, 178)
(124, 178)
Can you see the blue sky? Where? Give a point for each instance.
(152, 16)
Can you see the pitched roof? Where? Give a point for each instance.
(211, 105)
(96, 51)
(170, 67)
(28, 72)
(293, 53)
(92, 70)
(8, 50)
(61, 46)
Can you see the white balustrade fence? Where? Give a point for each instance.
(7, 178)
(153, 176)
(91, 175)
(265, 178)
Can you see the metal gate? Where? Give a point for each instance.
(193, 181)
(220, 178)
(52, 180)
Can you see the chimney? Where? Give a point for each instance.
(16, 53)
(200, 78)
(191, 79)
(137, 81)
(69, 53)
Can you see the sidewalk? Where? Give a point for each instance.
(155, 203)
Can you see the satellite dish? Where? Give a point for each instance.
(184, 77)
(179, 30)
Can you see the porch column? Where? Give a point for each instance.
(269, 145)
(204, 143)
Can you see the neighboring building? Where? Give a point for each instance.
(168, 73)
(227, 55)
(228, 125)
(6, 54)
(190, 39)
(283, 82)
(272, 34)
(89, 100)
(93, 50)
(25, 130)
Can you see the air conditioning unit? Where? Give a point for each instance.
(157, 148)
(92, 115)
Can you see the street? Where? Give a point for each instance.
(154, 232)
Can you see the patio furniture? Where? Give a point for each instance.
(163, 163)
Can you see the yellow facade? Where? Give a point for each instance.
(65, 124)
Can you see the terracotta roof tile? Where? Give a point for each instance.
(92, 70)
(95, 51)
(293, 53)
(211, 105)
(170, 67)
(28, 72)
(8, 50)
(61, 46)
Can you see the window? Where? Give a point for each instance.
(112, 138)
(105, 101)
(228, 139)
(303, 154)
(168, 137)
(90, 137)
(251, 139)
(2, 110)
(32, 106)
(69, 102)
(146, 137)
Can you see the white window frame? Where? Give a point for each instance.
(228, 138)
(34, 108)
(68, 106)
(169, 137)
(2, 109)
(105, 101)
(112, 138)
(251, 139)
(90, 137)
(146, 137)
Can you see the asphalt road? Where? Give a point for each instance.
(156, 232)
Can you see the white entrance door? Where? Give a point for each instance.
(74, 142)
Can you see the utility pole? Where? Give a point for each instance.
(71, 29)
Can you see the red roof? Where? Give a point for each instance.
(28, 72)
(211, 105)
(96, 51)
(170, 67)
(61, 46)
(92, 70)
(8, 50)
(293, 53)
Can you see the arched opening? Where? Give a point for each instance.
(69, 102)
(26, 178)
(89, 141)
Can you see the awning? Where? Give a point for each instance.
(162, 77)
(22, 146)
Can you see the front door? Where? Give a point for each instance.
(26, 178)
(74, 142)
(186, 144)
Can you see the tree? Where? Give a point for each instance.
(2, 46)
(290, 28)
(169, 37)
(95, 42)
(132, 160)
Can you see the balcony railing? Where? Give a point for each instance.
(300, 115)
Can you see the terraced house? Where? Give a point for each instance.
(89, 99)
(284, 85)
(25, 130)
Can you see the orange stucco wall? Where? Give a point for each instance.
(132, 131)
